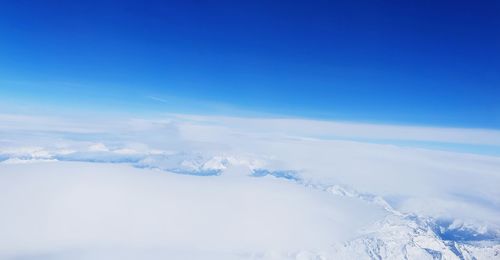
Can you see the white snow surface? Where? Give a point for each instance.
(198, 187)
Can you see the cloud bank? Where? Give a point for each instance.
(195, 186)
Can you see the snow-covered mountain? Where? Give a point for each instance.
(396, 235)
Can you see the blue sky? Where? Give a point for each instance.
(411, 62)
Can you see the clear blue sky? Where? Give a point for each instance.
(406, 62)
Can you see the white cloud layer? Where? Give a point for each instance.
(198, 186)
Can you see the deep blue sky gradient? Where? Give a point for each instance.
(405, 62)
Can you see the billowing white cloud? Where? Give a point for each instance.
(329, 129)
(52, 206)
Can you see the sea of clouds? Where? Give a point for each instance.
(193, 186)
